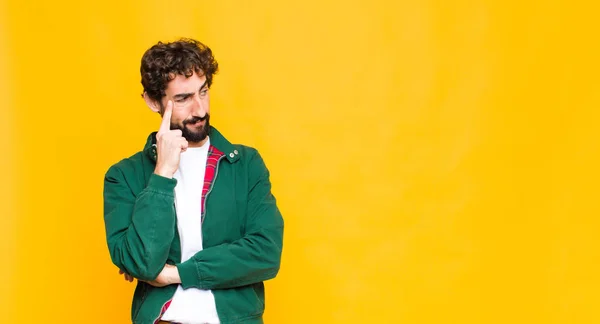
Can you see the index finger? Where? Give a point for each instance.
(165, 125)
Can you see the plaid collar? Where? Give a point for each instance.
(217, 140)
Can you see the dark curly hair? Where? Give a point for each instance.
(163, 62)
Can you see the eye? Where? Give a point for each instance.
(184, 99)
(203, 92)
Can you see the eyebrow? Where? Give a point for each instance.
(185, 95)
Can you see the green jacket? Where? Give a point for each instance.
(242, 232)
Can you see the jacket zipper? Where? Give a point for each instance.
(160, 313)
(212, 184)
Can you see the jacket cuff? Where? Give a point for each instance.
(162, 184)
(189, 275)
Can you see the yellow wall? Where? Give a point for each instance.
(8, 214)
(436, 161)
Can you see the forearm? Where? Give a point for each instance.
(252, 259)
(140, 232)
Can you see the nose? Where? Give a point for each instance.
(199, 108)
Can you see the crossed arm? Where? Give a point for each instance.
(140, 230)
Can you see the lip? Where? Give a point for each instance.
(198, 123)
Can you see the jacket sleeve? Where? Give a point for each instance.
(253, 258)
(139, 228)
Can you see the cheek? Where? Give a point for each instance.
(206, 103)
(179, 115)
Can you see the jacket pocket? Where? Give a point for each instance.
(237, 303)
(259, 292)
(254, 303)
(141, 291)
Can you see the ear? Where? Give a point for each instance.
(154, 105)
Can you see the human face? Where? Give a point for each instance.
(190, 107)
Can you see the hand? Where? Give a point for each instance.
(127, 276)
(168, 276)
(169, 145)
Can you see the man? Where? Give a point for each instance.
(191, 216)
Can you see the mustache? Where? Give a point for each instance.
(195, 119)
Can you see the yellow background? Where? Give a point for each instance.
(435, 161)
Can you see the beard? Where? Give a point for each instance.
(190, 135)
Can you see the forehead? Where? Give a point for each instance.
(183, 84)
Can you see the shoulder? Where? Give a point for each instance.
(251, 161)
(248, 154)
(245, 151)
(126, 167)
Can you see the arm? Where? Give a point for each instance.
(251, 259)
(139, 230)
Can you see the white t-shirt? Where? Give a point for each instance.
(192, 305)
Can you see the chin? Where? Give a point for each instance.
(196, 137)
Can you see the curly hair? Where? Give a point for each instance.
(164, 61)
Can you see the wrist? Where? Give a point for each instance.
(174, 277)
(161, 171)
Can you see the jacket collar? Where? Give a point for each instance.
(216, 139)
